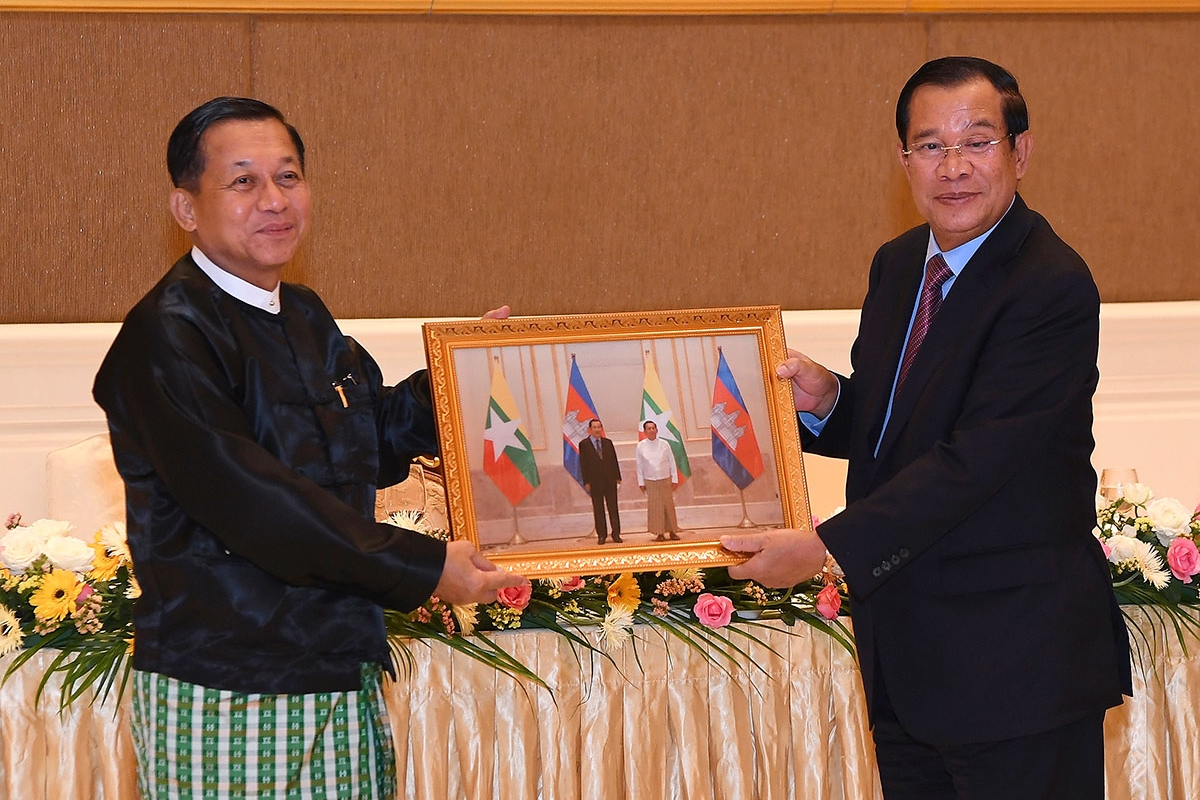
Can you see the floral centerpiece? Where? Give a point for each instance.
(598, 613)
(1150, 543)
(76, 597)
(60, 592)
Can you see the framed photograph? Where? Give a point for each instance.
(595, 444)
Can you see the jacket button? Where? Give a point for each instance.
(896, 559)
(886, 565)
(877, 572)
(904, 552)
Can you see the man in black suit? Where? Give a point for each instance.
(601, 477)
(988, 635)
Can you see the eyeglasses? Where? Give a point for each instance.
(972, 150)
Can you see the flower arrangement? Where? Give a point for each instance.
(598, 613)
(1150, 543)
(76, 597)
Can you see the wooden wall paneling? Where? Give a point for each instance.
(89, 101)
(591, 164)
(1111, 99)
(577, 163)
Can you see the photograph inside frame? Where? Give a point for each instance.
(588, 444)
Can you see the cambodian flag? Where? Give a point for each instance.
(579, 410)
(734, 445)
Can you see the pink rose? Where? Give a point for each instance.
(1183, 558)
(85, 592)
(713, 611)
(515, 596)
(571, 584)
(829, 601)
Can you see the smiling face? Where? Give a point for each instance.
(959, 197)
(251, 206)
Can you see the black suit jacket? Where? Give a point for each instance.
(979, 594)
(599, 471)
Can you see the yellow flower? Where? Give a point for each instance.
(624, 594)
(11, 635)
(54, 599)
(104, 566)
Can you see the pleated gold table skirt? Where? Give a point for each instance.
(791, 728)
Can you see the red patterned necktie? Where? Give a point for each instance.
(936, 273)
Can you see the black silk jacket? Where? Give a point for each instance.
(250, 488)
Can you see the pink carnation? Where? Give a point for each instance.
(515, 596)
(713, 611)
(572, 584)
(1183, 558)
(829, 601)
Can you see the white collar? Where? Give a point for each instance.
(232, 285)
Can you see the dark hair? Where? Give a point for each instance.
(955, 71)
(649, 422)
(591, 421)
(185, 153)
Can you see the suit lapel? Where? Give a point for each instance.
(899, 290)
(958, 314)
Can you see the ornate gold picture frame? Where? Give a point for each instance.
(513, 400)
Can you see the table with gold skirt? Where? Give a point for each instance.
(788, 723)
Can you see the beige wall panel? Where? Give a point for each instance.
(592, 164)
(578, 163)
(89, 101)
(1113, 101)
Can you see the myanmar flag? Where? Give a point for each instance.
(734, 445)
(655, 408)
(579, 410)
(507, 455)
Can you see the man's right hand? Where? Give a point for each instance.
(814, 388)
(468, 577)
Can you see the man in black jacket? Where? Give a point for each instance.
(251, 436)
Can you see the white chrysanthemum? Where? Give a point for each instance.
(467, 617)
(69, 553)
(49, 528)
(20, 547)
(1170, 518)
(113, 538)
(1137, 494)
(11, 635)
(616, 629)
(1133, 553)
(409, 520)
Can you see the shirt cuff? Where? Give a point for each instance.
(814, 424)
